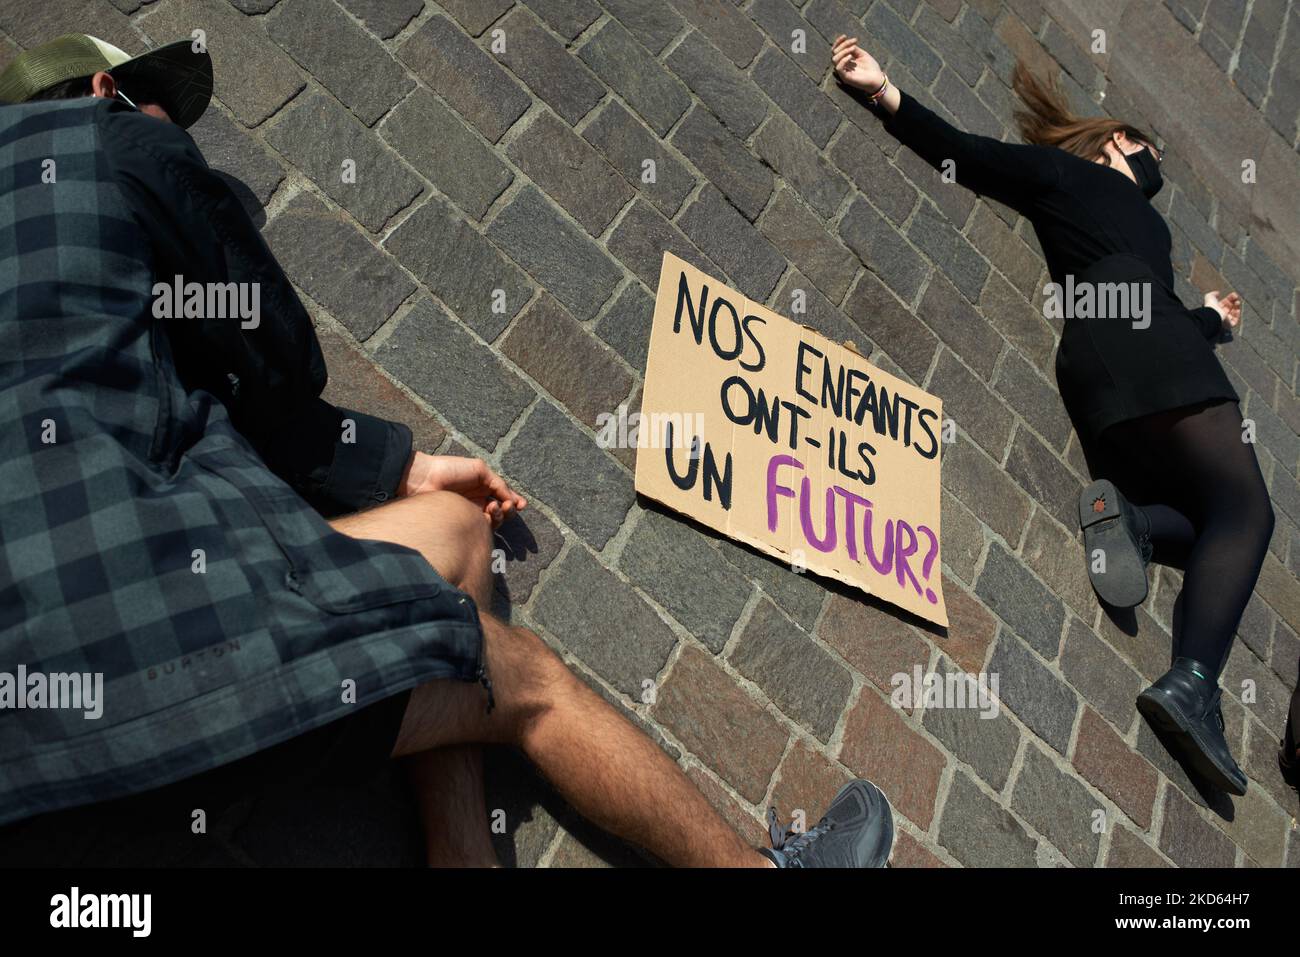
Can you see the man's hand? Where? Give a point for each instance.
(1229, 307)
(465, 476)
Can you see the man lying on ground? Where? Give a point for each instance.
(181, 512)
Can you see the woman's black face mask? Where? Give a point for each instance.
(1146, 170)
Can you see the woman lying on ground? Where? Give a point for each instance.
(1145, 391)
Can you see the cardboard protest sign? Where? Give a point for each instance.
(780, 438)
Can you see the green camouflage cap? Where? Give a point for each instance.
(176, 75)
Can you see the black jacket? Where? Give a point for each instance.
(269, 378)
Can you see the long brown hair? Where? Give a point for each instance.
(1047, 120)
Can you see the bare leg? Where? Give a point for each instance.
(610, 772)
(447, 529)
(449, 789)
(448, 782)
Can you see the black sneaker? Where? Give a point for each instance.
(857, 831)
(1184, 703)
(1122, 534)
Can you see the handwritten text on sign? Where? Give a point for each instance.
(780, 438)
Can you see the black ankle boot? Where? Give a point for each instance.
(1184, 702)
(1122, 534)
(1288, 756)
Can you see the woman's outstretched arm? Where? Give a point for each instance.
(1012, 173)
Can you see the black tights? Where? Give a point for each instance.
(1210, 514)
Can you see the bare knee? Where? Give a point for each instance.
(543, 674)
(461, 515)
(529, 677)
(466, 559)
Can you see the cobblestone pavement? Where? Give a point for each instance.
(521, 169)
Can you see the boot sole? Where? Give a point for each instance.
(1124, 582)
(1161, 711)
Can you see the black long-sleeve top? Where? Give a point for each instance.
(1080, 210)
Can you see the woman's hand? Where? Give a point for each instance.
(468, 477)
(1229, 307)
(855, 66)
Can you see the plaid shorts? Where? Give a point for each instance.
(351, 750)
(143, 828)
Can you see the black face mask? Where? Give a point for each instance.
(1147, 172)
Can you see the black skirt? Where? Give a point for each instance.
(1110, 371)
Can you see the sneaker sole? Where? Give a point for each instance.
(893, 829)
(1165, 715)
(1124, 583)
(889, 818)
